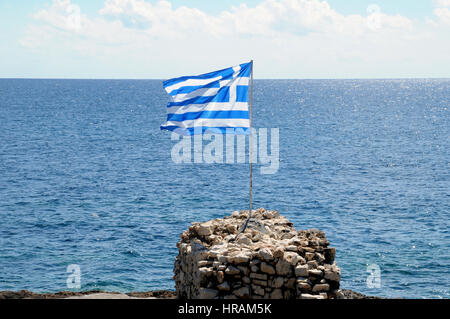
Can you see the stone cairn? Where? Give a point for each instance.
(270, 260)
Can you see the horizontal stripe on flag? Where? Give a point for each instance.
(205, 129)
(210, 123)
(208, 115)
(217, 99)
(192, 88)
(244, 71)
(206, 78)
(223, 95)
(186, 90)
(179, 87)
(199, 92)
(213, 106)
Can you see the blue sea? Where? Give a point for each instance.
(86, 178)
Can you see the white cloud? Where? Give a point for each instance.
(442, 3)
(443, 14)
(287, 38)
(268, 18)
(63, 15)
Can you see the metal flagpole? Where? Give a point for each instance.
(250, 148)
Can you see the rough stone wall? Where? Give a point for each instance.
(270, 260)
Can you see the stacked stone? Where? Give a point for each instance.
(270, 260)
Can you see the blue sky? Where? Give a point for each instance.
(286, 38)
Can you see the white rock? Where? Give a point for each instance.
(244, 240)
(265, 254)
(240, 259)
(205, 229)
(283, 267)
(232, 270)
(291, 257)
(301, 271)
(320, 287)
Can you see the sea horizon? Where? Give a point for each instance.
(257, 79)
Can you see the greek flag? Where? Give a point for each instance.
(215, 102)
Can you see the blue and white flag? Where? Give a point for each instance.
(211, 102)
